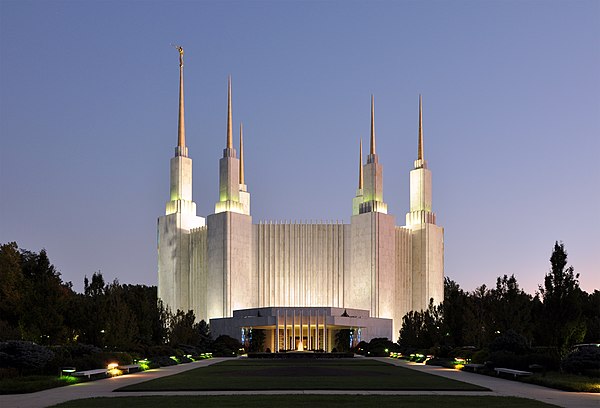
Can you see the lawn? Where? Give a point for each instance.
(312, 401)
(565, 381)
(32, 383)
(342, 374)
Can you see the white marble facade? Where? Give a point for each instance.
(224, 262)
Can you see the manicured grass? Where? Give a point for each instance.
(312, 401)
(565, 382)
(33, 383)
(556, 380)
(342, 374)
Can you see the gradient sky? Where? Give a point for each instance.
(511, 91)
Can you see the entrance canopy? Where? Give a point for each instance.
(302, 328)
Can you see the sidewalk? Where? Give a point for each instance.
(98, 388)
(503, 387)
(105, 388)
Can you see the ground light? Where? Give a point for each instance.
(143, 363)
(66, 371)
(460, 362)
(113, 369)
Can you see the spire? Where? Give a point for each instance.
(420, 153)
(229, 122)
(372, 124)
(241, 155)
(181, 126)
(360, 167)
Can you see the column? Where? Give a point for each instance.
(277, 332)
(285, 330)
(293, 329)
(325, 331)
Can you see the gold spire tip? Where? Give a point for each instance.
(229, 121)
(372, 125)
(420, 151)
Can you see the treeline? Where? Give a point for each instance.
(36, 305)
(505, 318)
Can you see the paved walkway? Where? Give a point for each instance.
(105, 388)
(504, 387)
(98, 388)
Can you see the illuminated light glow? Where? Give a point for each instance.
(69, 379)
(113, 370)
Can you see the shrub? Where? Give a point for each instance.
(24, 355)
(225, 346)
(547, 357)
(161, 351)
(162, 361)
(510, 341)
(85, 358)
(508, 359)
(586, 360)
(480, 357)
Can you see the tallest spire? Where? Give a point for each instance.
(229, 122)
(181, 150)
(372, 125)
(420, 152)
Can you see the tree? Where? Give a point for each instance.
(511, 307)
(342, 340)
(562, 299)
(11, 291)
(592, 317)
(120, 323)
(257, 340)
(422, 329)
(205, 338)
(44, 306)
(456, 312)
(93, 311)
(182, 330)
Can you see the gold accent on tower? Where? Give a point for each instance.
(372, 124)
(420, 152)
(229, 122)
(181, 124)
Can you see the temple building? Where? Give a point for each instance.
(301, 282)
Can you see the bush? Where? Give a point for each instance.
(480, 357)
(156, 351)
(547, 357)
(24, 355)
(84, 357)
(162, 361)
(510, 341)
(586, 361)
(508, 359)
(225, 346)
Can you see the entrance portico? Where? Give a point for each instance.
(302, 328)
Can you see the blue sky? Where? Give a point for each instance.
(511, 90)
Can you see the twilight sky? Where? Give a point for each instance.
(511, 94)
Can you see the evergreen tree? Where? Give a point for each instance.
(11, 291)
(562, 299)
(45, 301)
(511, 307)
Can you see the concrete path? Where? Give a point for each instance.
(504, 387)
(105, 388)
(98, 388)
